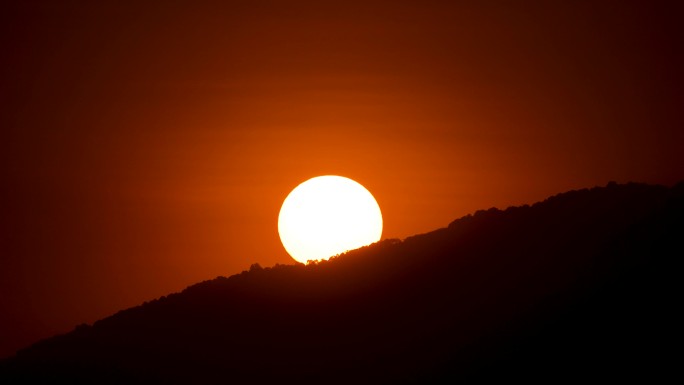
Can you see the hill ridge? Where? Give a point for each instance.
(479, 296)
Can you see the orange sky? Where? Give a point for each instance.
(146, 148)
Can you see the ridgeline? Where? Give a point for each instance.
(580, 286)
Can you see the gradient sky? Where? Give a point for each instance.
(148, 147)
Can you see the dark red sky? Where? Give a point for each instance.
(149, 147)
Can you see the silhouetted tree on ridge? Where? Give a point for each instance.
(581, 284)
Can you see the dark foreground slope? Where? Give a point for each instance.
(580, 286)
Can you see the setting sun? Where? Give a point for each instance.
(328, 215)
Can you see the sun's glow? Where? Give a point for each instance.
(328, 215)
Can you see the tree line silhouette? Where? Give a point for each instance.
(579, 286)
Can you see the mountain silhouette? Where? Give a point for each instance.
(580, 286)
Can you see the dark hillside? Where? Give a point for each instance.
(581, 285)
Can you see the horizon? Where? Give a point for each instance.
(580, 284)
(294, 263)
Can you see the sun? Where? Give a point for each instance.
(328, 215)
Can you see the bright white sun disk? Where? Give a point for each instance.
(326, 216)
